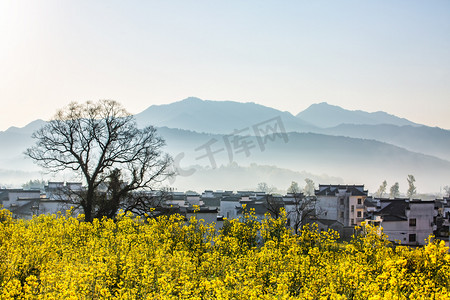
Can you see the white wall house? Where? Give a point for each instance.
(342, 203)
(22, 203)
(229, 206)
(407, 222)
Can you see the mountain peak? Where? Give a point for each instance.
(192, 99)
(30, 127)
(326, 115)
(217, 116)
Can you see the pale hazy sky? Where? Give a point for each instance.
(370, 55)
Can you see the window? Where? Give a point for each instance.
(412, 238)
(358, 214)
(359, 201)
(353, 221)
(342, 214)
(353, 207)
(412, 222)
(342, 201)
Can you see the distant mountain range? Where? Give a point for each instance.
(226, 116)
(423, 139)
(216, 116)
(324, 115)
(354, 160)
(325, 142)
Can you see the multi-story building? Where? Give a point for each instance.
(405, 221)
(342, 203)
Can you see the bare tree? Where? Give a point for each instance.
(264, 187)
(447, 190)
(273, 204)
(293, 188)
(100, 141)
(303, 208)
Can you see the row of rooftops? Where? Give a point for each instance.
(212, 197)
(332, 190)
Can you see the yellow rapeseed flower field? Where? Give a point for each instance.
(62, 257)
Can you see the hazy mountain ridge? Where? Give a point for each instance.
(430, 140)
(226, 116)
(362, 154)
(356, 160)
(324, 115)
(246, 177)
(216, 116)
(27, 129)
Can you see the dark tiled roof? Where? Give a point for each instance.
(211, 201)
(356, 192)
(260, 208)
(394, 211)
(231, 198)
(332, 189)
(370, 203)
(25, 209)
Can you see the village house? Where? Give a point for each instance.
(21, 203)
(342, 203)
(405, 221)
(337, 207)
(443, 218)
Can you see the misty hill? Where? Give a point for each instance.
(355, 160)
(226, 116)
(430, 140)
(28, 129)
(216, 116)
(347, 151)
(246, 178)
(325, 115)
(13, 143)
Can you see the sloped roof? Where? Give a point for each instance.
(394, 211)
(231, 198)
(25, 209)
(260, 208)
(332, 189)
(370, 203)
(208, 201)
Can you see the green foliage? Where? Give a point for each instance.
(293, 188)
(411, 187)
(34, 184)
(382, 189)
(395, 190)
(309, 187)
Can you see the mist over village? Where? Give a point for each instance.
(197, 150)
(224, 155)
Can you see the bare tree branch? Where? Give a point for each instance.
(101, 142)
